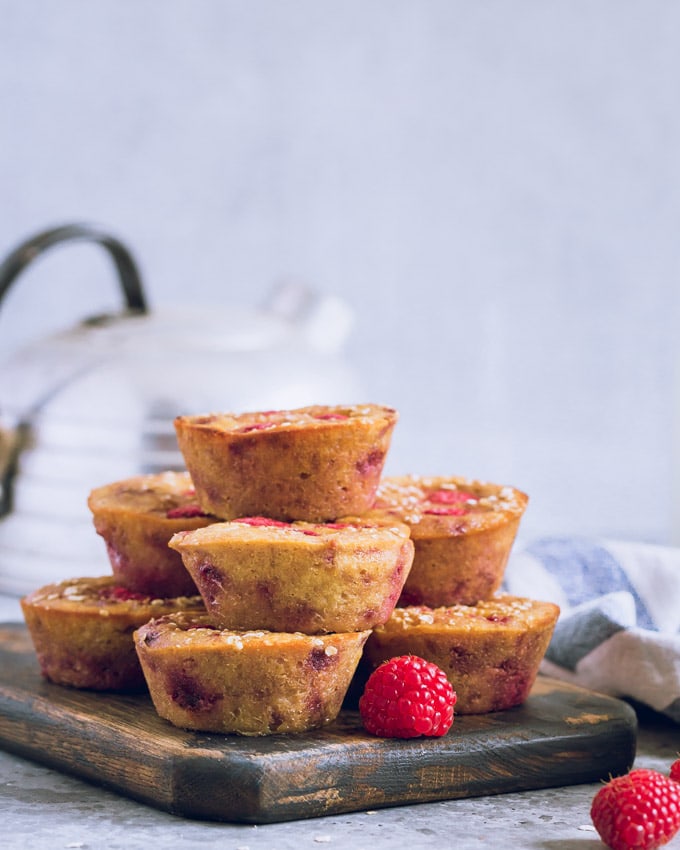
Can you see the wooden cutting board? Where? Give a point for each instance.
(561, 736)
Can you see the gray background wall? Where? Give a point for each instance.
(494, 189)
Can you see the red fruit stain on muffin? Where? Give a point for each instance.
(513, 684)
(185, 512)
(262, 521)
(497, 618)
(189, 694)
(120, 594)
(212, 582)
(314, 705)
(370, 462)
(369, 615)
(265, 591)
(449, 497)
(448, 503)
(118, 558)
(322, 657)
(396, 583)
(256, 426)
(453, 510)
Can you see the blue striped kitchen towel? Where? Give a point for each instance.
(619, 627)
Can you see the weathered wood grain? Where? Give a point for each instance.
(561, 736)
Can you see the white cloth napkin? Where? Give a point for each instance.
(619, 627)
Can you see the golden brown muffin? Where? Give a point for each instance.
(314, 463)
(248, 683)
(463, 531)
(259, 573)
(490, 652)
(137, 517)
(82, 631)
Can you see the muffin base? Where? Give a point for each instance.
(463, 531)
(298, 577)
(245, 683)
(490, 652)
(136, 518)
(82, 631)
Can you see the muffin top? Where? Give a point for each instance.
(355, 531)
(439, 505)
(315, 416)
(503, 612)
(104, 594)
(167, 495)
(189, 630)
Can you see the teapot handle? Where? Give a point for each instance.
(28, 250)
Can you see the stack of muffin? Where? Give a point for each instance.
(489, 644)
(258, 582)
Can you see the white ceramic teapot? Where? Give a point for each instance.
(96, 403)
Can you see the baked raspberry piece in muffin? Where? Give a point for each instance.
(259, 573)
(82, 630)
(248, 683)
(136, 518)
(313, 463)
(463, 531)
(490, 652)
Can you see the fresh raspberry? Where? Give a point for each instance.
(407, 697)
(185, 512)
(637, 811)
(675, 770)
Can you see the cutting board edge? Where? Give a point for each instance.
(275, 810)
(256, 797)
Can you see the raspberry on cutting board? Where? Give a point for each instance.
(637, 811)
(407, 697)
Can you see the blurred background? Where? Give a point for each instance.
(488, 194)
